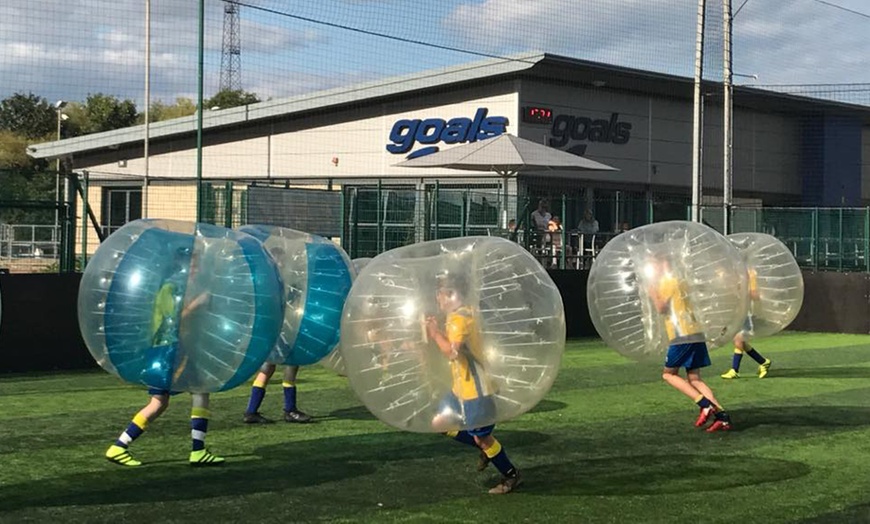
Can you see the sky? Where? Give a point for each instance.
(67, 50)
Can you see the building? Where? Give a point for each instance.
(343, 144)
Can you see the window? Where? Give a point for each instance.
(120, 205)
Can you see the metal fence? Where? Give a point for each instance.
(370, 218)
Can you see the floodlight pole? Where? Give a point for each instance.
(727, 123)
(696, 116)
(199, 109)
(147, 104)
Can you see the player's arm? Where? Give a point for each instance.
(753, 286)
(660, 297)
(448, 348)
(194, 304)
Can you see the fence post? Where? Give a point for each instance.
(650, 209)
(354, 220)
(867, 239)
(380, 221)
(437, 202)
(85, 186)
(814, 238)
(464, 212)
(562, 233)
(342, 217)
(67, 263)
(840, 242)
(228, 204)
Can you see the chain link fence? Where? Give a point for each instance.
(372, 216)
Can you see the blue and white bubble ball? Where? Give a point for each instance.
(179, 306)
(516, 333)
(776, 283)
(710, 270)
(317, 276)
(333, 360)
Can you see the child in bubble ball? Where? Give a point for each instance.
(118, 453)
(471, 397)
(741, 339)
(687, 347)
(167, 312)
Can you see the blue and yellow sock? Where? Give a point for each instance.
(289, 396)
(756, 356)
(735, 359)
(500, 460)
(258, 392)
(703, 402)
(133, 431)
(462, 436)
(199, 427)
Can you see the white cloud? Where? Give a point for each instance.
(783, 42)
(89, 46)
(71, 48)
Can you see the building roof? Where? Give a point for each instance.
(529, 65)
(285, 106)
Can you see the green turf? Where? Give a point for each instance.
(610, 443)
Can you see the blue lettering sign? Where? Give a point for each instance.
(406, 133)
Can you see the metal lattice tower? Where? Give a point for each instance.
(231, 50)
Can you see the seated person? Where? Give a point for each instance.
(588, 225)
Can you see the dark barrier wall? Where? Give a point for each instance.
(39, 328)
(572, 287)
(835, 302)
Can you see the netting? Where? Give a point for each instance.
(300, 99)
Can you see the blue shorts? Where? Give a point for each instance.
(476, 411)
(693, 355)
(157, 392)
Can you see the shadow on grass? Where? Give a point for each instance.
(658, 474)
(545, 406)
(275, 468)
(821, 372)
(858, 514)
(362, 413)
(811, 416)
(351, 413)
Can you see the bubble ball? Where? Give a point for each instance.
(776, 285)
(317, 275)
(333, 360)
(495, 309)
(701, 268)
(180, 306)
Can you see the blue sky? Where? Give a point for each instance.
(98, 45)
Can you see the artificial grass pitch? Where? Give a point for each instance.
(610, 443)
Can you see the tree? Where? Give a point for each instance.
(160, 111)
(106, 112)
(28, 115)
(231, 98)
(13, 152)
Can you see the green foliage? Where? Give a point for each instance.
(26, 197)
(13, 152)
(106, 112)
(161, 111)
(231, 98)
(28, 115)
(610, 443)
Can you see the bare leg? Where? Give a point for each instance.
(672, 377)
(696, 382)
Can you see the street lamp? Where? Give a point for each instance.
(61, 116)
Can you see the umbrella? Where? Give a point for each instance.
(507, 155)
